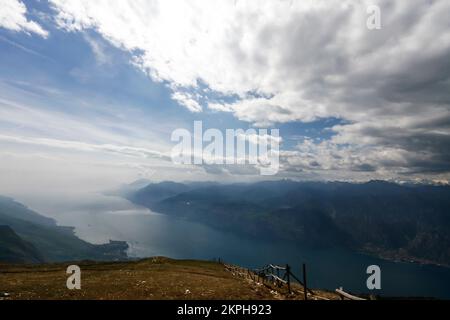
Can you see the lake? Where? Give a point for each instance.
(152, 234)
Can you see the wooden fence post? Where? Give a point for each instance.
(305, 288)
(288, 276)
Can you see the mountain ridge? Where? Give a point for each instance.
(54, 243)
(400, 222)
(15, 249)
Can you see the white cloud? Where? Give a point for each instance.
(87, 147)
(13, 17)
(287, 61)
(309, 56)
(187, 100)
(92, 125)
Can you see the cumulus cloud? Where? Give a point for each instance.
(285, 61)
(13, 17)
(187, 100)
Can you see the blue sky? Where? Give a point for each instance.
(91, 92)
(64, 67)
(66, 63)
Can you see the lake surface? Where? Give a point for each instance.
(152, 234)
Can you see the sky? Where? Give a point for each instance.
(90, 91)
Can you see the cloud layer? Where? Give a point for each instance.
(285, 61)
(13, 17)
(270, 63)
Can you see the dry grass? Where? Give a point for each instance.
(155, 278)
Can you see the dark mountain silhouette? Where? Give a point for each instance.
(53, 243)
(408, 222)
(19, 211)
(153, 193)
(16, 250)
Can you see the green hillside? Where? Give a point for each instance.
(15, 250)
(55, 243)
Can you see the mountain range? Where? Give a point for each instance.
(389, 220)
(393, 221)
(28, 237)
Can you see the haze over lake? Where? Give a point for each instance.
(152, 234)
